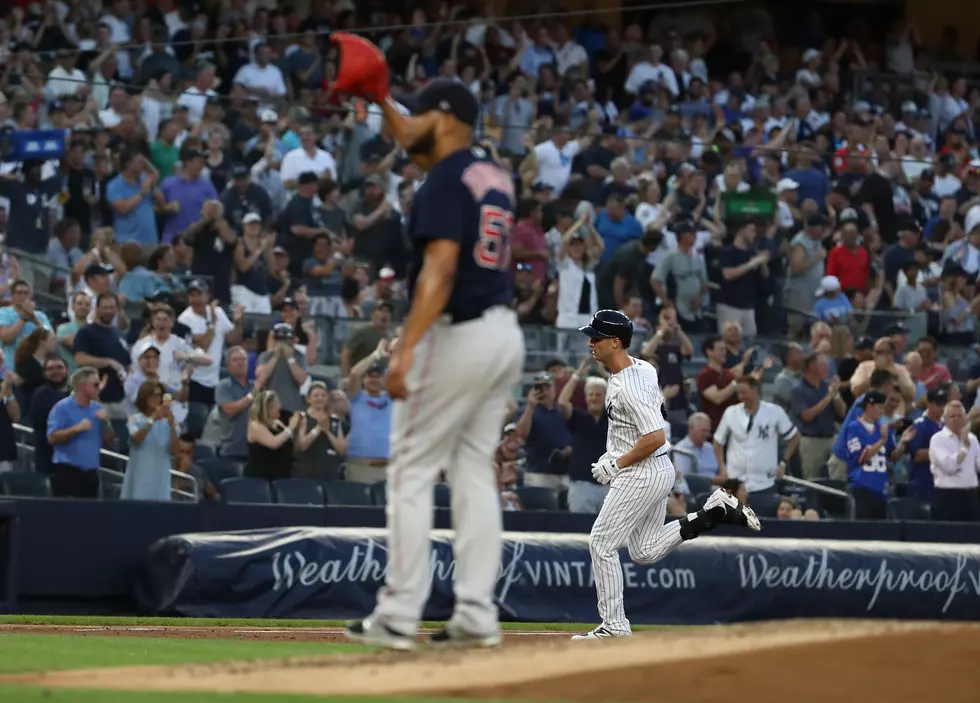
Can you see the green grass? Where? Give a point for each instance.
(95, 621)
(33, 694)
(32, 653)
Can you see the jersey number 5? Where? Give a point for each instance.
(493, 249)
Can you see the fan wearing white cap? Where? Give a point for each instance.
(787, 193)
(832, 305)
(385, 289)
(809, 75)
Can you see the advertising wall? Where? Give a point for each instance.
(335, 573)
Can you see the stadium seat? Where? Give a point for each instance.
(563, 500)
(538, 498)
(765, 504)
(907, 509)
(699, 483)
(442, 498)
(29, 484)
(346, 493)
(379, 493)
(217, 469)
(245, 490)
(203, 450)
(832, 506)
(297, 491)
(110, 486)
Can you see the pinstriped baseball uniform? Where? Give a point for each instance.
(634, 509)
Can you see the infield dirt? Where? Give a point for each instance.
(802, 661)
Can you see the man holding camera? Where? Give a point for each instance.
(548, 439)
(282, 369)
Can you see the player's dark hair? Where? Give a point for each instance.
(880, 378)
(709, 344)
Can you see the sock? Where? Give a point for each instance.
(701, 521)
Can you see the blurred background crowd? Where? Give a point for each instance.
(786, 201)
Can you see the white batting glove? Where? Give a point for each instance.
(605, 470)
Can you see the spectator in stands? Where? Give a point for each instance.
(244, 197)
(869, 446)
(884, 360)
(100, 345)
(132, 195)
(588, 430)
(933, 374)
(45, 398)
(321, 442)
(788, 377)
(63, 253)
(920, 481)
(77, 427)
(806, 270)
(616, 226)
(147, 368)
(547, 437)
(211, 330)
(385, 289)
(368, 444)
(849, 260)
(79, 308)
(747, 439)
(789, 510)
(270, 441)
(308, 158)
(561, 374)
(716, 385)
(10, 413)
(175, 352)
(742, 270)
(306, 342)
(818, 407)
(529, 246)
(282, 369)
(31, 202)
(364, 339)
(213, 242)
(20, 318)
(251, 290)
(152, 440)
(681, 276)
(832, 306)
(668, 349)
(507, 460)
(704, 461)
(954, 457)
(234, 396)
(323, 275)
(29, 360)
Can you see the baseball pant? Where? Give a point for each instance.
(632, 514)
(814, 453)
(458, 390)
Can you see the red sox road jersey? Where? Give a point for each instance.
(635, 407)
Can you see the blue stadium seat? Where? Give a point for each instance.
(28, 484)
(379, 493)
(442, 497)
(217, 469)
(765, 504)
(297, 491)
(245, 490)
(347, 493)
(203, 450)
(699, 483)
(538, 498)
(907, 509)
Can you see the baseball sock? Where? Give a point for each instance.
(701, 521)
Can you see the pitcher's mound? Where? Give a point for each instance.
(802, 661)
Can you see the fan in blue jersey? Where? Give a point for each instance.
(921, 485)
(869, 446)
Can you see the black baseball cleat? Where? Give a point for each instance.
(454, 637)
(721, 507)
(374, 632)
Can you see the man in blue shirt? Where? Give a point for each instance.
(919, 469)
(19, 319)
(869, 446)
(77, 427)
(130, 196)
(616, 225)
(549, 441)
(832, 305)
(369, 443)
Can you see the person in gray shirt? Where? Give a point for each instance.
(283, 370)
(515, 113)
(683, 269)
(233, 397)
(788, 378)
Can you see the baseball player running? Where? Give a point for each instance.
(640, 475)
(451, 372)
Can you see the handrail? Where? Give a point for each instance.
(826, 490)
(174, 473)
(686, 452)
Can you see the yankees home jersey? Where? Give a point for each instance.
(753, 442)
(635, 407)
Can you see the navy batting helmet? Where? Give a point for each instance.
(610, 324)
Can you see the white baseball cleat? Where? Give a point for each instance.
(736, 512)
(375, 632)
(600, 633)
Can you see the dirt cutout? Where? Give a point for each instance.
(802, 661)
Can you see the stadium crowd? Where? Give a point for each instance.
(214, 199)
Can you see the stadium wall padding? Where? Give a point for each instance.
(308, 572)
(65, 555)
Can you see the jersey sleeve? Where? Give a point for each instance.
(724, 430)
(854, 442)
(785, 427)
